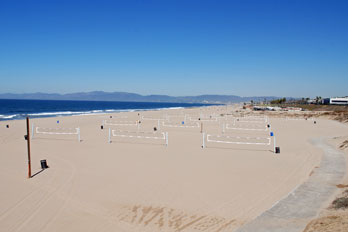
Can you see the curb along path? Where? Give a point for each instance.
(293, 213)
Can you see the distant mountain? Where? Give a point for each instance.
(123, 96)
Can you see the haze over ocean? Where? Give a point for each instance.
(247, 48)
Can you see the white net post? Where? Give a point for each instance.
(223, 128)
(203, 140)
(109, 140)
(158, 124)
(167, 139)
(78, 134)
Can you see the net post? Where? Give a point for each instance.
(203, 140)
(78, 134)
(158, 124)
(167, 139)
(109, 140)
(28, 145)
(223, 128)
(201, 127)
(274, 144)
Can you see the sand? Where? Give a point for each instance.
(137, 184)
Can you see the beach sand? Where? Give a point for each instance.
(135, 184)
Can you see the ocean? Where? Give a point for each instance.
(19, 109)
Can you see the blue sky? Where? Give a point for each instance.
(241, 47)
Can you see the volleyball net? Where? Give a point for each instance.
(299, 118)
(55, 131)
(248, 127)
(120, 123)
(204, 119)
(138, 135)
(239, 140)
(181, 125)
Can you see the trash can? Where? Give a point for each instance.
(44, 164)
(277, 150)
(101, 127)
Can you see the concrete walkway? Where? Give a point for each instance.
(293, 213)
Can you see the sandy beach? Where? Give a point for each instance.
(142, 184)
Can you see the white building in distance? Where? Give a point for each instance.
(336, 101)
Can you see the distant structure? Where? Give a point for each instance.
(335, 101)
(311, 101)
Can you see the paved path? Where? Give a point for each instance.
(293, 213)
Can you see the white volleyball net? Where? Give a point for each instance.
(204, 119)
(151, 119)
(245, 141)
(55, 132)
(137, 136)
(245, 127)
(299, 118)
(181, 125)
(251, 119)
(120, 123)
(239, 140)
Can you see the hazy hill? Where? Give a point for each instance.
(124, 96)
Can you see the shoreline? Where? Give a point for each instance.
(86, 113)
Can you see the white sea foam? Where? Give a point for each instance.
(77, 113)
(55, 113)
(8, 116)
(174, 108)
(88, 114)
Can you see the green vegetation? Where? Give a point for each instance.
(278, 101)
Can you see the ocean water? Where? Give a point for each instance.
(19, 109)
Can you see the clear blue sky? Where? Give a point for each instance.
(248, 48)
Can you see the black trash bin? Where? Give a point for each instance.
(44, 164)
(102, 127)
(277, 150)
